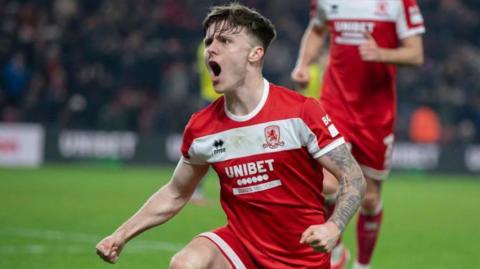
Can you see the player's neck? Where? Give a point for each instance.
(245, 98)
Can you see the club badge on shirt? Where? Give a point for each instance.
(272, 137)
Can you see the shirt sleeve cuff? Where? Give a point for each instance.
(337, 142)
(412, 32)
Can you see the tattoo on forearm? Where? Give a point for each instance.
(351, 186)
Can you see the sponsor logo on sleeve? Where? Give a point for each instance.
(415, 15)
(331, 128)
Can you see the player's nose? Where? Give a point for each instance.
(212, 49)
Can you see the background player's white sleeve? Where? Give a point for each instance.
(318, 15)
(409, 20)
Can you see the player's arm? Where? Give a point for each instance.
(410, 51)
(352, 186)
(310, 46)
(159, 208)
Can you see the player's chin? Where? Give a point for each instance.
(219, 89)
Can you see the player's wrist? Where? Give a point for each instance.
(332, 224)
(382, 55)
(121, 236)
(301, 64)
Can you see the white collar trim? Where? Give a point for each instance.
(263, 100)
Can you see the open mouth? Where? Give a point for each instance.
(215, 67)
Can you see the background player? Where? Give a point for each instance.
(254, 138)
(366, 39)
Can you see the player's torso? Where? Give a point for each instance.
(349, 19)
(271, 181)
(262, 161)
(360, 89)
(267, 176)
(265, 164)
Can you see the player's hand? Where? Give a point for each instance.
(109, 248)
(301, 76)
(369, 50)
(322, 237)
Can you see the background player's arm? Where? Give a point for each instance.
(410, 51)
(159, 208)
(310, 46)
(352, 186)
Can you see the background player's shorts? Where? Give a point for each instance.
(231, 247)
(371, 146)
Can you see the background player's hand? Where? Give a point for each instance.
(301, 76)
(109, 248)
(321, 238)
(369, 50)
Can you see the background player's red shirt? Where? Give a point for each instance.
(271, 184)
(363, 91)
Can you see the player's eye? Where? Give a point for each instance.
(208, 41)
(224, 40)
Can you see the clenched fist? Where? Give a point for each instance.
(301, 76)
(322, 237)
(369, 50)
(109, 248)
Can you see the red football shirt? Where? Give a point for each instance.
(271, 183)
(363, 92)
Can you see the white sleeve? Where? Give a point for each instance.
(318, 13)
(193, 156)
(409, 21)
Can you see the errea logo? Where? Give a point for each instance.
(334, 9)
(218, 146)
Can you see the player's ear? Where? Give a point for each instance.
(256, 54)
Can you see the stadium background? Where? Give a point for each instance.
(94, 96)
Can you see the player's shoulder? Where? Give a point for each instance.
(408, 2)
(202, 119)
(288, 104)
(290, 100)
(286, 95)
(408, 6)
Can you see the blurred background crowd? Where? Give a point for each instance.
(131, 64)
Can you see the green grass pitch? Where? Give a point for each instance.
(52, 218)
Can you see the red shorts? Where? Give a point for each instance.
(230, 247)
(371, 146)
(240, 258)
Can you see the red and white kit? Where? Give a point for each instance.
(360, 96)
(271, 183)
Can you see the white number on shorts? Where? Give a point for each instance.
(388, 141)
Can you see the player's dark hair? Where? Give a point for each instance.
(235, 17)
